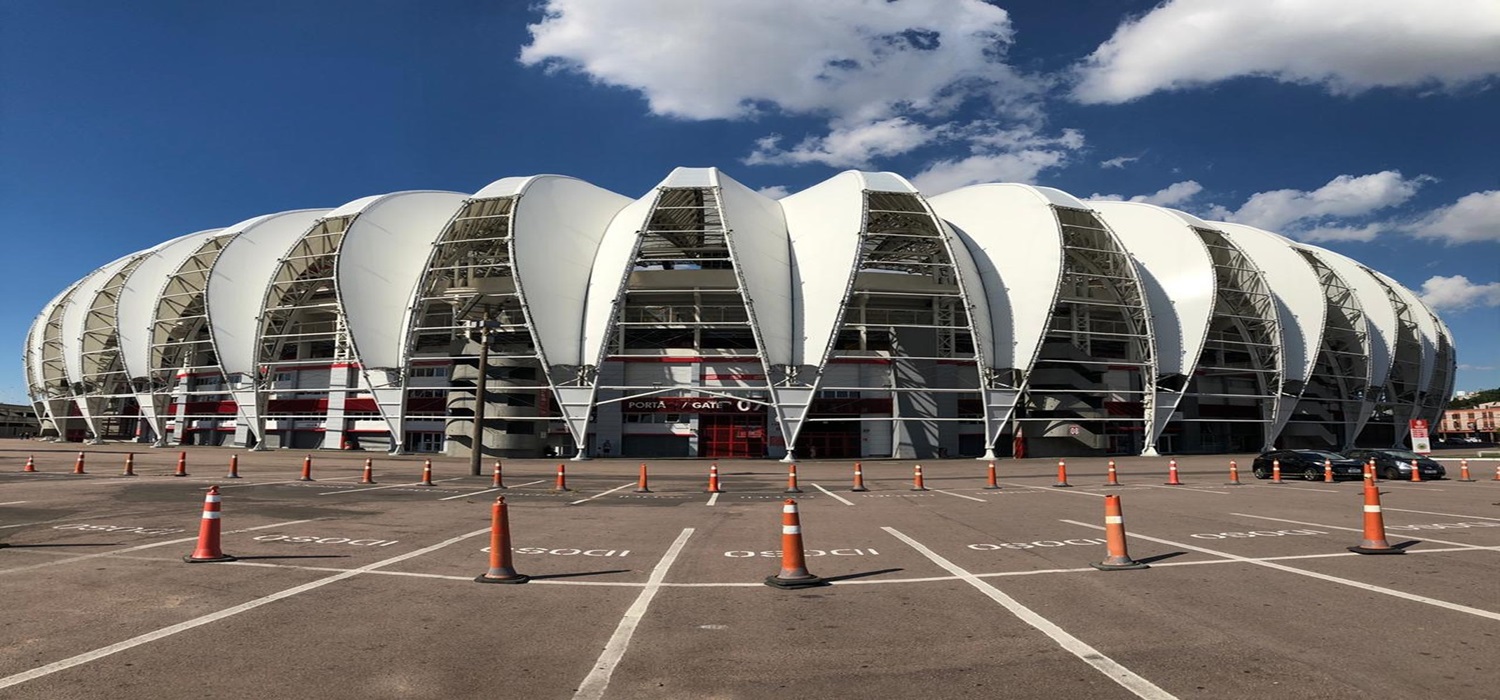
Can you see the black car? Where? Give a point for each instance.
(1307, 464)
(1396, 464)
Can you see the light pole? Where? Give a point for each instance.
(481, 387)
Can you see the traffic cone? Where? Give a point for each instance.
(1114, 537)
(129, 464)
(1172, 479)
(640, 485)
(426, 473)
(1062, 476)
(306, 468)
(1416, 473)
(1276, 472)
(181, 465)
(368, 477)
(497, 481)
(713, 479)
(916, 479)
(501, 570)
(1374, 541)
(78, 465)
(1234, 474)
(562, 479)
(31, 467)
(1374, 471)
(234, 467)
(791, 479)
(1114, 478)
(993, 483)
(1463, 470)
(859, 478)
(794, 572)
(1497, 473)
(208, 532)
(1327, 472)
(1369, 473)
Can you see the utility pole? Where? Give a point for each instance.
(481, 388)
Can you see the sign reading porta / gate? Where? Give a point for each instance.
(687, 404)
(1421, 442)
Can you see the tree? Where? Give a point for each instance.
(1475, 399)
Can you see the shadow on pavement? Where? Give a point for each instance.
(581, 573)
(861, 574)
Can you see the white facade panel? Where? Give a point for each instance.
(380, 261)
(757, 235)
(237, 285)
(823, 224)
(1013, 237)
(1380, 316)
(140, 294)
(611, 264)
(1428, 332)
(1299, 295)
(76, 312)
(556, 227)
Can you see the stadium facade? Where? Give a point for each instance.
(856, 318)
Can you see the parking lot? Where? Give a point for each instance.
(346, 590)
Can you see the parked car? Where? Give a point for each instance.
(1308, 464)
(1396, 464)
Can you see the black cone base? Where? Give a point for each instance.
(1062, 486)
(1127, 566)
(792, 491)
(919, 488)
(794, 583)
(515, 578)
(208, 560)
(235, 476)
(643, 491)
(859, 489)
(1384, 550)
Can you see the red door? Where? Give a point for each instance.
(731, 435)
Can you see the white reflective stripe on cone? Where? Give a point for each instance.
(210, 515)
(789, 509)
(1114, 519)
(791, 530)
(1372, 509)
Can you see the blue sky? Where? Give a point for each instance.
(1365, 126)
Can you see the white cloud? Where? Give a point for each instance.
(1457, 292)
(859, 60)
(1346, 46)
(775, 191)
(1341, 234)
(846, 146)
(886, 76)
(1346, 196)
(1474, 217)
(1119, 162)
(1169, 196)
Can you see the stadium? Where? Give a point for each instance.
(858, 318)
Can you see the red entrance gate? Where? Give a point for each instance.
(726, 435)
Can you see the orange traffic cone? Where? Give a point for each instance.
(1463, 470)
(794, 572)
(992, 483)
(78, 465)
(641, 485)
(208, 532)
(1172, 479)
(1416, 473)
(181, 464)
(1327, 472)
(713, 479)
(562, 479)
(1276, 472)
(1369, 473)
(306, 468)
(791, 479)
(497, 481)
(1497, 473)
(501, 570)
(916, 479)
(234, 467)
(1374, 472)
(1114, 478)
(859, 478)
(129, 464)
(31, 467)
(368, 477)
(426, 473)
(1374, 541)
(1114, 537)
(1234, 474)
(1062, 476)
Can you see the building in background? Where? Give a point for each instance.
(1479, 423)
(17, 421)
(856, 318)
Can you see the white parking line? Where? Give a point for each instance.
(377, 488)
(138, 548)
(1312, 574)
(601, 495)
(1353, 529)
(835, 496)
(1054, 489)
(712, 499)
(1091, 656)
(597, 681)
(1423, 512)
(959, 495)
(13, 503)
(273, 483)
(476, 493)
(1183, 487)
(164, 632)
